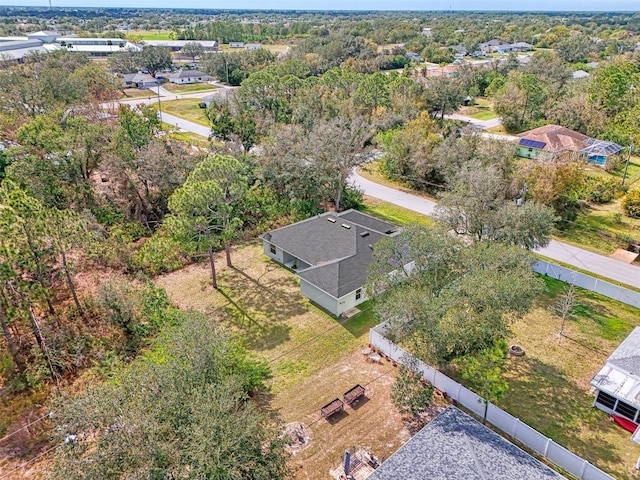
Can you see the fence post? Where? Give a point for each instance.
(515, 427)
(546, 447)
(584, 468)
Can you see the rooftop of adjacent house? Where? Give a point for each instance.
(554, 138)
(454, 446)
(187, 74)
(621, 374)
(339, 248)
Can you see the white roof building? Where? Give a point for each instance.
(618, 382)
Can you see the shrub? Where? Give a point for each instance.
(631, 203)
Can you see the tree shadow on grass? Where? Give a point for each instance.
(543, 397)
(261, 310)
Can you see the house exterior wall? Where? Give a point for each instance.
(349, 301)
(534, 153)
(278, 256)
(613, 405)
(323, 299)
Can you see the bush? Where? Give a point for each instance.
(631, 203)
(599, 190)
(159, 254)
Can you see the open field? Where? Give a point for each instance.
(186, 108)
(152, 34)
(314, 357)
(549, 386)
(187, 88)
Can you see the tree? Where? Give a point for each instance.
(480, 205)
(566, 304)
(154, 59)
(193, 50)
(446, 299)
(483, 372)
(444, 95)
(182, 411)
(409, 393)
(202, 210)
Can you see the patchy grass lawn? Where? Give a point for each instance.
(393, 213)
(186, 108)
(549, 386)
(314, 356)
(187, 88)
(276, 48)
(602, 229)
(135, 93)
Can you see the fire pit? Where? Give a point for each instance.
(297, 435)
(516, 350)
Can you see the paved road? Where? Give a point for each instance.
(577, 257)
(484, 124)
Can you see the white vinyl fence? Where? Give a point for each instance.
(509, 424)
(616, 292)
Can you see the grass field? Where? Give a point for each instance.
(187, 109)
(393, 213)
(549, 386)
(314, 356)
(484, 115)
(152, 34)
(188, 88)
(602, 229)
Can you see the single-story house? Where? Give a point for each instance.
(492, 45)
(331, 254)
(461, 49)
(139, 80)
(426, 32)
(188, 76)
(455, 446)
(414, 57)
(521, 47)
(253, 46)
(617, 384)
(236, 44)
(546, 142)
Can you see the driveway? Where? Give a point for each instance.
(562, 252)
(483, 124)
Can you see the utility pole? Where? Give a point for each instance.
(159, 103)
(626, 166)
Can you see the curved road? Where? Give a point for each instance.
(577, 257)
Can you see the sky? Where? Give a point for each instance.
(508, 5)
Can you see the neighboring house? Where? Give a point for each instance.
(236, 44)
(426, 32)
(461, 49)
(521, 47)
(580, 74)
(188, 76)
(617, 384)
(331, 254)
(139, 80)
(414, 57)
(545, 143)
(492, 45)
(454, 446)
(253, 46)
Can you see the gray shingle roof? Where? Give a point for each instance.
(339, 256)
(627, 356)
(454, 446)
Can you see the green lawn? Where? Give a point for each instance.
(187, 109)
(152, 34)
(188, 88)
(602, 229)
(549, 386)
(394, 214)
(485, 115)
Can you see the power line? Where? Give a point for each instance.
(48, 415)
(6, 475)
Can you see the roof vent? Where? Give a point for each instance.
(331, 219)
(364, 234)
(344, 225)
(371, 246)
